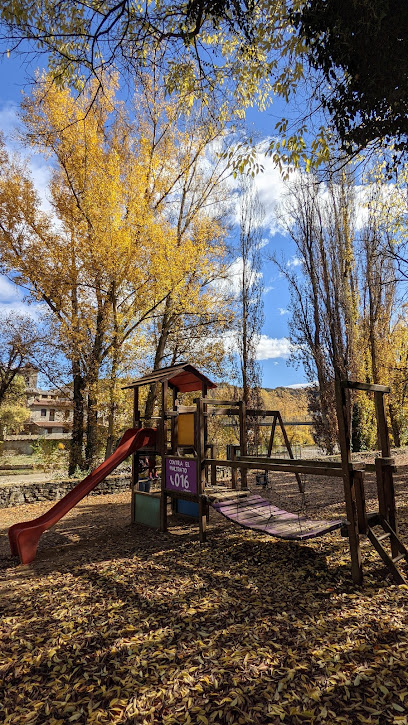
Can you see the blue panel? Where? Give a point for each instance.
(187, 508)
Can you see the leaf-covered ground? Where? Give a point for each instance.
(119, 624)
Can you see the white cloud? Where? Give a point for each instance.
(231, 284)
(282, 311)
(41, 173)
(39, 168)
(8, 118)
(270, 187)
(9, 292)
(33, 311)
(294, 262)
(273, 347)
(295, 386)
(11, 300)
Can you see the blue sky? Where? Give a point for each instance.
(274, 345)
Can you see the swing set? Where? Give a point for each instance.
(189, 470)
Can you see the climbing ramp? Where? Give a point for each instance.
(254, 512)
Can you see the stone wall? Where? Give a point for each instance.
(13, 494)
(23, 444)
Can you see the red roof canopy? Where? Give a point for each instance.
(183, 377)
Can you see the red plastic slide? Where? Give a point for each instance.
(24, 537)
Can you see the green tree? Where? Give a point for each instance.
(107, 261)
(116, 244)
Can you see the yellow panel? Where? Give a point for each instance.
(185, 429)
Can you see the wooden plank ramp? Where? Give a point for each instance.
(254, 512)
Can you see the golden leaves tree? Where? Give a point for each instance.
(101, 259)
(114, 247)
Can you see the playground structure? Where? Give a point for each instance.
(189, 472)
(189, 466)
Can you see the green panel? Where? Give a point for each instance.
(147, 509)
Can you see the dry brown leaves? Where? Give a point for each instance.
(114, 624)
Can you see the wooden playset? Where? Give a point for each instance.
(189, 470)
(189, 462)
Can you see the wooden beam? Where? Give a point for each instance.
(365, 386)
(215, 401)
(283, 466)
(343, 419)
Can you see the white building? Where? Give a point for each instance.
(51, 411)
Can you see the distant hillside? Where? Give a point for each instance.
(292, 402)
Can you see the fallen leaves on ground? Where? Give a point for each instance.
(120, 624)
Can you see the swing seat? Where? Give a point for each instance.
(254, 512)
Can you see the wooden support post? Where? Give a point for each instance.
(384, 468)
(201, 454)
(163, 451)
(204, 422)
(174, 425)
(272, 436)
(243, 437)
(202, 518)
(135, 457)
(360, 501)
(343, 418)
(136, 411)
(382, 426)
(234, 479)
(382, 506)
(289, 449)
(214, 453)
(386, 496)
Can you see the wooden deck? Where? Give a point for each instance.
(254, 512)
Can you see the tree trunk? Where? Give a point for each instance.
(91, 448)
(112, 404)
(110, 438)
(395, 427)
(76, 459)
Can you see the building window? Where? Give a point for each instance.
(43, 412)
(49, 430)
(52, 414)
